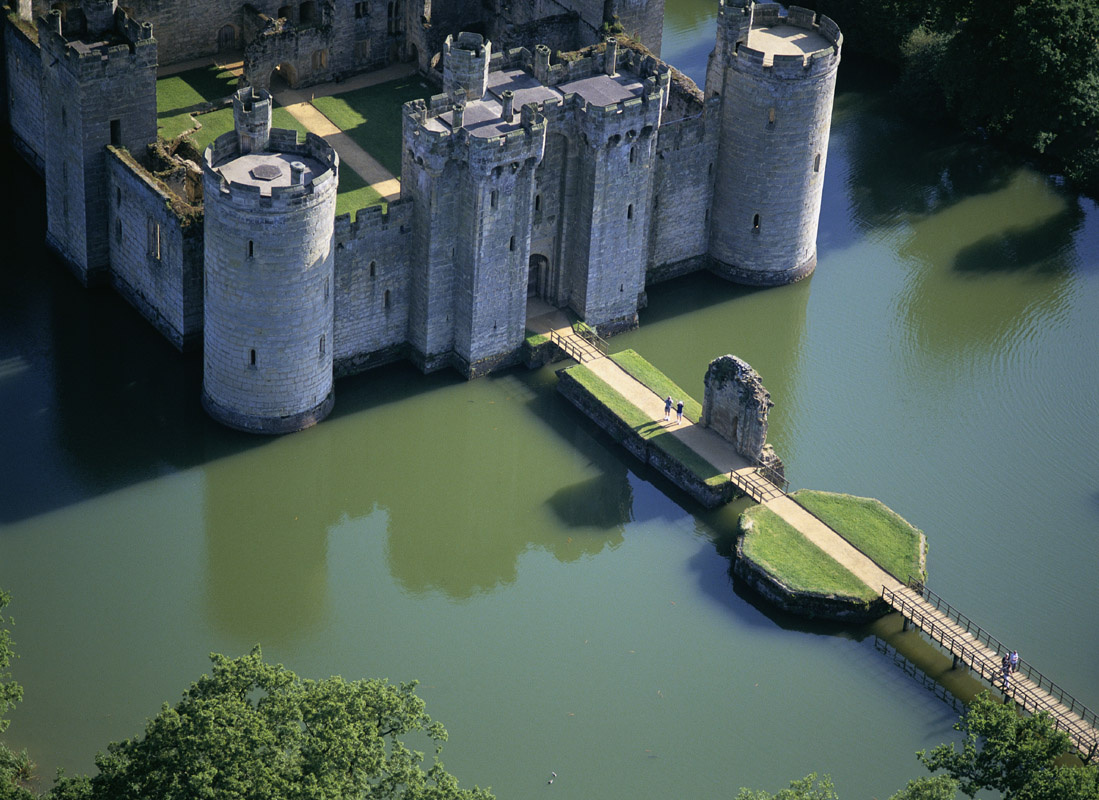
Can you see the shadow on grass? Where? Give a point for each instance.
(371, 116)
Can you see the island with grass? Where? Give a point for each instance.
(780, 563)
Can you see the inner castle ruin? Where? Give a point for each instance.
(556, 162)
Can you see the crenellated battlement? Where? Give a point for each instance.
(372, 220)
(129, 46)
(620, 121)
(226, 149)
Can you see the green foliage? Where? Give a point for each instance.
(871, 526)
(10, 691)
(1015, 755)
(938, 787)
(798, 563)
(256, 730)
(15, 768)
(808, 788)
(1024, 72)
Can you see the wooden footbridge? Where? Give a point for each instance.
(974, 648)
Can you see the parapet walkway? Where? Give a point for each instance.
(968, 643)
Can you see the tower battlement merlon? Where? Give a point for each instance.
(372, 220)
(286, 180)
(509, 150)
(127, 46)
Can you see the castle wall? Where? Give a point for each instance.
(371, 287)
(91, 99)
(490, 291)
(155, 251)
(610, 224)
(551, 210)
(431, 180)
(24, 81)
(682, 193)
(643, 20)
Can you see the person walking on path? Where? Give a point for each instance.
(668, 408)
(679, 412)
(1014, 659)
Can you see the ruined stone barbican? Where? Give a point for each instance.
(736, 405)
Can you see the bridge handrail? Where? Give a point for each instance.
(593, 338)
(571, 350)
(1025, 667)
(991, 671)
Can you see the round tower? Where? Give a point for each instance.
(465, 65)
(269, 279)
(776, 77)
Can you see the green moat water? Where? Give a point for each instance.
(564, 609)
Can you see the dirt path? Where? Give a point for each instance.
(722, 455)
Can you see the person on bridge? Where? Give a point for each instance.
(679, 412)
(1014, 659)
(668, 408)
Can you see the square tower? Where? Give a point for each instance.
(98, 89)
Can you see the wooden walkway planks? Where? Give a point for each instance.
(976, 650)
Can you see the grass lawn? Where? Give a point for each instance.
(221, 121)
(648, 428)
(372, 116)
(775, 544)
(354, 193)
(644, 372)
(178, 95)
(872, 527)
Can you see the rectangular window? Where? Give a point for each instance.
(154, 239)
(116, 132)
(360, 10)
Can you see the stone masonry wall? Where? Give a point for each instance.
(269, 258)
(24, 76)
(430, 180)
(682, 193)
(371, 287)
(85, 96)
(776, 115)
(156, 254)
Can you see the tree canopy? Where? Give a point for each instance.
(1025, 72)
(1013, 754)
(256, 731)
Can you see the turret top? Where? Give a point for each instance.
(786, 40)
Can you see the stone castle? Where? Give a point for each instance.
(557, 162)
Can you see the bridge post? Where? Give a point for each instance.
(906, 624)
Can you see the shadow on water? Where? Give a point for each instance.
(1043, 248)
(895, 166)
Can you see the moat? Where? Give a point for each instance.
(563, 609)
